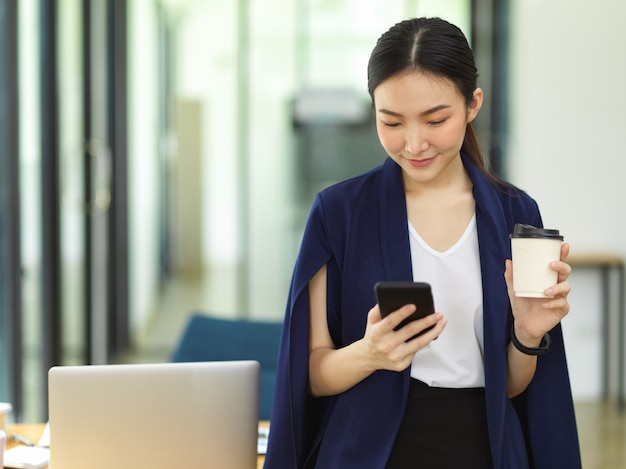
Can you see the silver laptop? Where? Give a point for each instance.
(157, 416)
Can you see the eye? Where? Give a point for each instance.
(390, 124)
(437, 122)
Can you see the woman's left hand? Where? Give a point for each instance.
(536, 316)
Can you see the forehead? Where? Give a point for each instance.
(416, 91)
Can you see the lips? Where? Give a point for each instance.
(420, 163)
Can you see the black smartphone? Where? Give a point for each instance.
(391, 296)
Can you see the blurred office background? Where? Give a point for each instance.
(158, 157)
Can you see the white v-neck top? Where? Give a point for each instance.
(455, 359)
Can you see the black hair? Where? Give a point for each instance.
(436, 47)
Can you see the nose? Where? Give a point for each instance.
(415, 141)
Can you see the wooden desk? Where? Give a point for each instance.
(605, 263)
(33, 433)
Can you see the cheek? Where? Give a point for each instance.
(390, 140)
(451, 137)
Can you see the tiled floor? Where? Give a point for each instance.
(602, 429)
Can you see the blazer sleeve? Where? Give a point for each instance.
(296, 416)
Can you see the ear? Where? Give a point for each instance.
(475, 105)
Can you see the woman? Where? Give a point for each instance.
(353, 392)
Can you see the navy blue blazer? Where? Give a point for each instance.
(359, 229)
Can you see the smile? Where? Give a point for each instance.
(420, 163)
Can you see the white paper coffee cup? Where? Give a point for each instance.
(3, 441)
(5, 408)
(532, 250)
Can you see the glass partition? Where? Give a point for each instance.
(238, 113)
(10, 251)
(259, 164)
(30, 210)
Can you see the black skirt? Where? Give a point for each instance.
(442, 428)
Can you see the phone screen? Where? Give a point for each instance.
(393, 295)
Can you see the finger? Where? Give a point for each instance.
(376, 328)
(564, 251)
(508, 275)
(373, 316)
(563, 269)
(560, 289)
(394, 319)
(559, 306)
(419, 325)
(436, 331)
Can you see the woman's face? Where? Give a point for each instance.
(421, 121)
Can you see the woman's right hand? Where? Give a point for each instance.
(334, 370)
(392, 350)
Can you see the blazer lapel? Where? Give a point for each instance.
(394, 231)
(494, 248)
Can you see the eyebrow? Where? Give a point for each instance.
(427, 112)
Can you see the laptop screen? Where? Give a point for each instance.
(202, 414)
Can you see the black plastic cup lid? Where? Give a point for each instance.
(529, 231)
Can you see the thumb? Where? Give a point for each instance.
(508, 275)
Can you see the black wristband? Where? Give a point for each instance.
(544, 345)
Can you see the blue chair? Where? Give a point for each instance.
(208, 338)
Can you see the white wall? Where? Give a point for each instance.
(567, 76)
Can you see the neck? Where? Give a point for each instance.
(452, 181)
